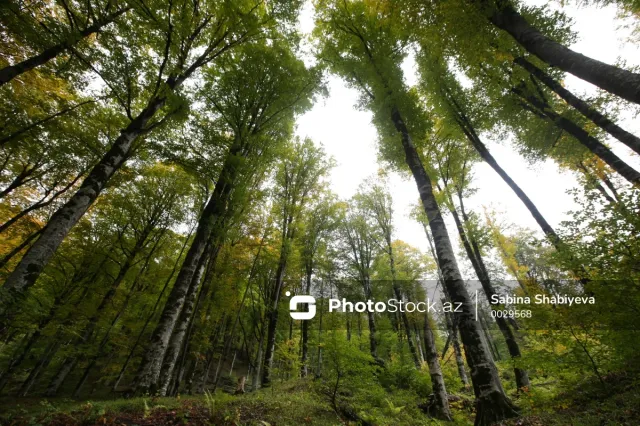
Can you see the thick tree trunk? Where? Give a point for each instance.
(587, 110)
(210, 222)
(441, 402)
(623, 83)
(491, 401)
(10, 72)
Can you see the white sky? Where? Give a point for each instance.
(349, 136)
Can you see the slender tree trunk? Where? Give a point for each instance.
(582, 136)
(398, 294)
(522, 378)
(419, 345)
(304, 371)
(451, 324)
(255, 382)
(219, 334)
(14, 252)
(210, 222)
(18, 357)
(151, 315)
(10, 72)
(87, 333)
(492, 403)
(587, 110)
(441, 402)
(457, 350)
(623, 83)
(40, 203)
(41, 365)
(37, 123)
(273, 317)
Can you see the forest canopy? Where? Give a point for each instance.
(176, 249)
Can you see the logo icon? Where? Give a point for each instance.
(297, 300)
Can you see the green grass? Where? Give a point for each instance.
(302, 402)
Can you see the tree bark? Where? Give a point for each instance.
(304, 371)
(12, 71)
(583, 107)
(441, 409)
(150, 316)
(273, 317)
(522, 378)
(620, 82)
(491, 401)
(210, 221)
(180, 329)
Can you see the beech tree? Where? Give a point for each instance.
(372, 63)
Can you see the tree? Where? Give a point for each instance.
(300, 173)
(366, 50)
(203, 34)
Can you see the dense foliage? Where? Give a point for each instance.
(158, 211)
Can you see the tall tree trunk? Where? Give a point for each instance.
(441, 402)
(10, 72)
(255, 382)
(87, 333)
(491, 401)
(587, 110)
(39, 254)
(592, 144)
(35, 336)
(469, 131)
(210, 222)
(105, 339)
(304, 371)
(452, 327)
(180, 329)
(19, 355)
(623, 83)
(151, 315)
(398, 294)
(41, 365)
(522, 378)
(219, 334)
(457, 350)
(272, 323)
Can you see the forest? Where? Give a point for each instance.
(175, 250)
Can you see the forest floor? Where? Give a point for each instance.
(300, 404)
